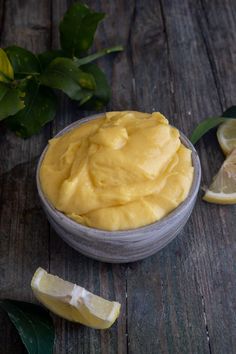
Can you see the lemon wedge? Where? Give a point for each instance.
(73, 302)
(226, 135)
(223, 188)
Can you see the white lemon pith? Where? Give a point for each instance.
(73, 302)
(226, 135)
(223, 188)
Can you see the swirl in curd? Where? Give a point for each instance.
(121, 171)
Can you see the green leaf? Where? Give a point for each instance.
(3, 89)
(204, 127)
(40, 108)
(230, 112)
(6, 70)
(95, 56)
(47, 57)
(33, 324)
(212, 122)
(11, 100)
(23, 61)
(77, 29)
(102, 92)
(63, 74)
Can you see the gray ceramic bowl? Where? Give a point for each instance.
(122, 246)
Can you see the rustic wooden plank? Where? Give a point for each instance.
(219, 38)
(178, 60)
(104, 279)
(214, 244)
(114, 30)
(2, 12)
(165, 301)
(218, 283)
(24, 230)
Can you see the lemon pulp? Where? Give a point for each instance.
(223, 188)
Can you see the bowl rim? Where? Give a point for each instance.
(112, 235)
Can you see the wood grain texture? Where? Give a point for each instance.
(24, 230)
(193, 318)
(180, 59)
(103, 279)
(171, 315)
(218, 284)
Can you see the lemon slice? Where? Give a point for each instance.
(73, 302)
(226, 135)
(223, 188)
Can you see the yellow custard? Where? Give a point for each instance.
(124, 170)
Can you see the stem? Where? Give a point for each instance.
(95, 56)
(26, 73)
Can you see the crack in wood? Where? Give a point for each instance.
(2, 17)
(206, 325)
(172, 87)
(126, 313)
(209, 54)
(203, 309)
(130, 52)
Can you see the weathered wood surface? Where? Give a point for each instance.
(179, 59)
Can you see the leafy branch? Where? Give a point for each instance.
(28, 80)
(212, 122)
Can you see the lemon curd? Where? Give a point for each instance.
(118, 172)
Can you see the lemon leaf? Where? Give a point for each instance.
(3, 90)
(230, 112)
(40, 108)
(77, 29)
(23, 61)
(212, 122)
(63, 74)
(11, 100)
(47, 57)
(33, 324)
(102, 92)
(204, 127)
(6, 69)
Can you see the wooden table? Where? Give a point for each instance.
(180, 59)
